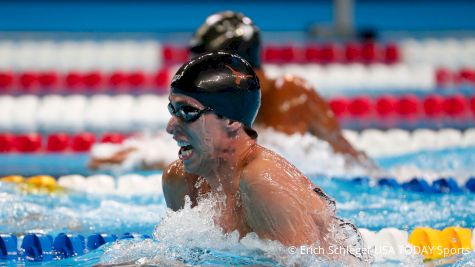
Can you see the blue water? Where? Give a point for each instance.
(368, 206)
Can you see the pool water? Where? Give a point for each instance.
(188, 236)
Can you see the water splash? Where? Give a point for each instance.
(190, 236)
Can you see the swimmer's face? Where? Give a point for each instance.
(201, 139)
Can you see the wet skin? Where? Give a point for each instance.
(290, 105)
(262, 192)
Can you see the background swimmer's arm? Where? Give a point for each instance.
(323, 122)
(275, 209)
(115, 159)
(177, 184)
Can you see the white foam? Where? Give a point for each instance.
(308, 154)
(181, 233)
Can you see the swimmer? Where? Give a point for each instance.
(214, 100)
(289, 104)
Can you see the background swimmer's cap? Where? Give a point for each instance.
(228, 31)
(222, 81)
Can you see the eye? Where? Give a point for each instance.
(189, 110)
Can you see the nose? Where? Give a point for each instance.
(171, 125)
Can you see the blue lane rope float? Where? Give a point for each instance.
(470, 184)
(8, 247)
(37, 247)
(446, 185)
(389, 182)
(417, 185)
(42, 247)
(96, 240)
(420, 184)
(68, 245)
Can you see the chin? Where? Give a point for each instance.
(196, 168)
(189, 168)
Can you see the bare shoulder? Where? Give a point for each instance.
(177, 184)
(173, 170)
(268, 169)
(276, 197)
(175, 174)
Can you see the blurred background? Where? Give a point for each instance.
(73, 73)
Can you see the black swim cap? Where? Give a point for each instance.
(222, 81)
(229, 31)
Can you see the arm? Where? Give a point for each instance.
(320, 119)
(177, 184)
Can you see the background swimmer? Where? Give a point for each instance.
(289, 104)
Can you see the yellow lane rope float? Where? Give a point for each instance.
(435, 244)
(34, 184)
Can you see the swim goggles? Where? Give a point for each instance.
(187, 113)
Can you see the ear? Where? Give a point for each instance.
(233, 126)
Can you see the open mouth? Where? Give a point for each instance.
(186, 150)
